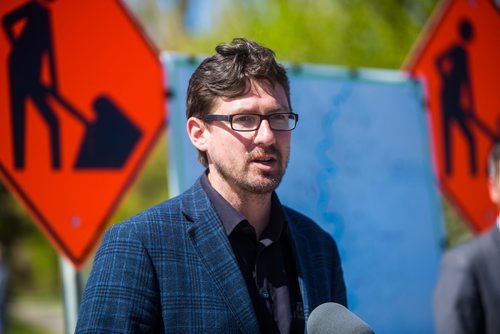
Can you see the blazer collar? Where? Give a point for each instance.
(209, 239)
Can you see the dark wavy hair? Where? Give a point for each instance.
(228, 74)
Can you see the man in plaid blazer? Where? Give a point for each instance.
(225, 256)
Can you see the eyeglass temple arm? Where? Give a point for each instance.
(213, 117)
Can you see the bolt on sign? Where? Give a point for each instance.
(458, 59)
(81, 105)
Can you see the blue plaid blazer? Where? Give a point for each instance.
(171, 269)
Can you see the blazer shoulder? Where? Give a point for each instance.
(163, 211)
(178, 207)
(469, 253)
(170, 218)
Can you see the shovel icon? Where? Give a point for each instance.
(109, 140)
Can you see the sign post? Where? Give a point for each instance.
(81, 106)
(458, 60)
(72, 281)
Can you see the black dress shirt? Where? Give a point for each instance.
(266, 264)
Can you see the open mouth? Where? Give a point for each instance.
(267, 160)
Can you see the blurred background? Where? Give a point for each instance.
(354, 33)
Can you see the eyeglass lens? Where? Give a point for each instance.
(248, 122)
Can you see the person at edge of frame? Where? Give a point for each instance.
(467, 295)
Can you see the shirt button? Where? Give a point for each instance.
(264, 295)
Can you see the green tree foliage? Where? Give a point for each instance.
(345, 32)
(28, 252)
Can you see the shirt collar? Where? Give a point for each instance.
(231, 217)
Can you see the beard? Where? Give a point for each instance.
(256, 182)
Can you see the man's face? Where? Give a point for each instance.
(249, 162)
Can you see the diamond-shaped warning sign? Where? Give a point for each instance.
(458, 59)
(81, 104)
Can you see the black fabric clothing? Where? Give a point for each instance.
(266, 265)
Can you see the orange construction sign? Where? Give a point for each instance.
(81, 105)
(458, 59)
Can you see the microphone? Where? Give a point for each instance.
(333, 318)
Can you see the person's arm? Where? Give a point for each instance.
(457, 306)
(121, 295)
(440, 61)
(52, 69)
(467, 91)
(10, 20)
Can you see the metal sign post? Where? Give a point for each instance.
(72, 283)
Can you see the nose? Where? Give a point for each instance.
(264, 135)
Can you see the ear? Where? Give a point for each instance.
(198, 133)
(494, 190)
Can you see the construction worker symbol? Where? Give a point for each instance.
(109, 138)
(457, 99)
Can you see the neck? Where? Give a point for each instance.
(255, 207)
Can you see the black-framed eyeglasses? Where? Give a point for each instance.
(282, 121)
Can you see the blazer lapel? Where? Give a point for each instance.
(313, 263)
(212, 246)
(304, 267)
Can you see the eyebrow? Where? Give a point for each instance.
(279, 109)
